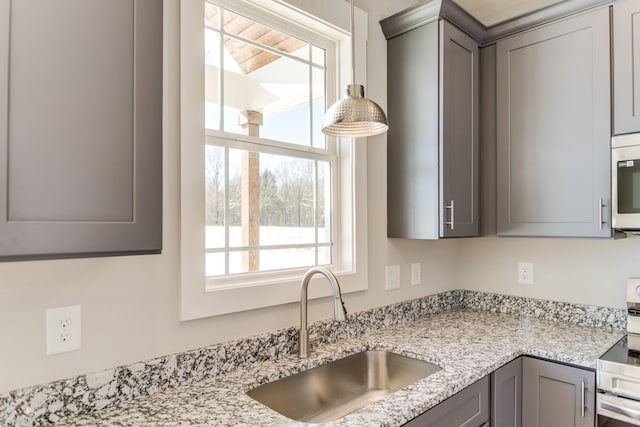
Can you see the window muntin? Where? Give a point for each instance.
(295, 225)
(270, 190)
(264, 70)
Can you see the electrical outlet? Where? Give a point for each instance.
(393, 277)
(63, 329)
(415, 274)
(525, 273)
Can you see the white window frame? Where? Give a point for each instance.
(200, 298)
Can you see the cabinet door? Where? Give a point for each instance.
(432, 150)
(556, 395)
(412, 148)
(80, 128)
(459, 132)
(626, 66)
(468, 408)
(506, 395)
(553, 129)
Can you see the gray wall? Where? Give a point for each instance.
(587, 271)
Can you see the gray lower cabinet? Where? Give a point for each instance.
(525, 392)
(553, 129)
(626, 66)
(506, 395)
(556, 395)
(432, 149)
(80, 128)
(467, 408)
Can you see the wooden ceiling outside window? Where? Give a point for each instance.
(248, 57)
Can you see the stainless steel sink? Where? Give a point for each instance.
(331, 391)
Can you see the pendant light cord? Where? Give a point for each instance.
(353, 44)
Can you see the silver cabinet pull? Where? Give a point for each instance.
(582, 399)
(453, 217)
(601, 206)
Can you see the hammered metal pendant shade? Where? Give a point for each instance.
(354, 116)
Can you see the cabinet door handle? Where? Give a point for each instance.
(601, 206)
(453, 217)
(582, 400)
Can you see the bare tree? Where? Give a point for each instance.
(286, 194)
(214, 185)
(272, 211)
(296, 190)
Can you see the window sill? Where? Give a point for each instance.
(250, 295)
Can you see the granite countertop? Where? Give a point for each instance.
(466, 344)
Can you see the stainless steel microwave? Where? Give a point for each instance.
(625, 181)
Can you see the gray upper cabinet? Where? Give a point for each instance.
(626, 66)
(459, 133)
(555, 395)
(412, 140)
(553, 129)
(432, 144)
(80, 128)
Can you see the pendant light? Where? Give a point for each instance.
(354, 116)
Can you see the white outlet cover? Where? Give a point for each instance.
(63, 329)
(525, 273)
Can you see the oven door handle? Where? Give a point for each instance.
(631, 413)
(625, 393)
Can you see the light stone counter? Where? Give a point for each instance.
(466, 344)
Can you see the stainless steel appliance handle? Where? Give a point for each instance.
(624, 392)
(631, 413)
(582, 400)
(453, 217)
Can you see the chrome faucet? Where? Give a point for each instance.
(339, 311)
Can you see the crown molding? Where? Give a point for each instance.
(423, 13)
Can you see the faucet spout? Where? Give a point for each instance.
(339, 310)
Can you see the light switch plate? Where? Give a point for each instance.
(393, 277)
(415, 274)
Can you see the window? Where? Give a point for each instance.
(270, 186)
(264, 194)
